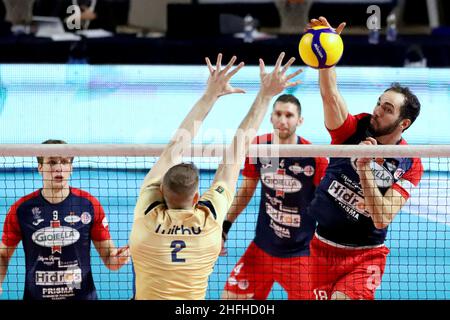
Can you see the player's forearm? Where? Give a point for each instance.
(240, 202)
(190, 126)
(335, 110)
(327, 81)
(198, 113)
(381, 208)
(4, 262)
(228, 169)
(249, 126)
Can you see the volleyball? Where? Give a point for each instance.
(321, 47)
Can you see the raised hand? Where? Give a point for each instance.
(362, 163)
(275, 82)
(122, 255)
(322, 21)
(218, 81)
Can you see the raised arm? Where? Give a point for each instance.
(218, 85)
(271, 84)
(334, 107)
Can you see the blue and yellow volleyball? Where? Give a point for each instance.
(321, 47)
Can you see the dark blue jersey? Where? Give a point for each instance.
(287, 188)
(338, 204)
(57, 242)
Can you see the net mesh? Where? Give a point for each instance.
(417, 267)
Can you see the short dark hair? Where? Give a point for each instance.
(51, 141)
(411, 106)
(289, 98)
(182, 179)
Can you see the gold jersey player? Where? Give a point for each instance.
(176, 235)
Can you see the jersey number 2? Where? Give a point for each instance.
(177, 245)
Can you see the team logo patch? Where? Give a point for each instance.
(86, 217)
(220, 189)
(398, 173)
(243, 284)
(36, 216)
(309, 171)
(72, 218)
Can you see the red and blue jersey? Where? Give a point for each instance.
(287, 187)
(338, 205)
(57, 243)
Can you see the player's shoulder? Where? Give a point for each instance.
(415, 161)
(301, 140)
(83, 194)
(25, 199)
(362, 115)
(263, 139)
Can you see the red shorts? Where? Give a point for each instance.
(357, 272)
(256, 272)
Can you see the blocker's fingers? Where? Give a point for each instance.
(210, 67)
(287, 65)
(262, 67)
(293, 75)
(293, 84)
(230, 64)
(279, 62)
(235, 70)
(219, 61)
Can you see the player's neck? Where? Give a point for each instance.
(53, 195)
(289, 140)
(393, 138)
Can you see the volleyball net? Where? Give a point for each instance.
(418, 266)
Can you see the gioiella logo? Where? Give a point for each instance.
(55, 237)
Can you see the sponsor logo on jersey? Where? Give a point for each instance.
(383, 171)
(281, 182)
(383, 177)
(283, 218)
(59, 292)
(72, 218)
(70, 277)
(86, 218)
(346, 196)
(297, 169)
(280, 231)
(36, 216)
(55, 237)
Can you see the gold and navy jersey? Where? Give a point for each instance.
(174, 250)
